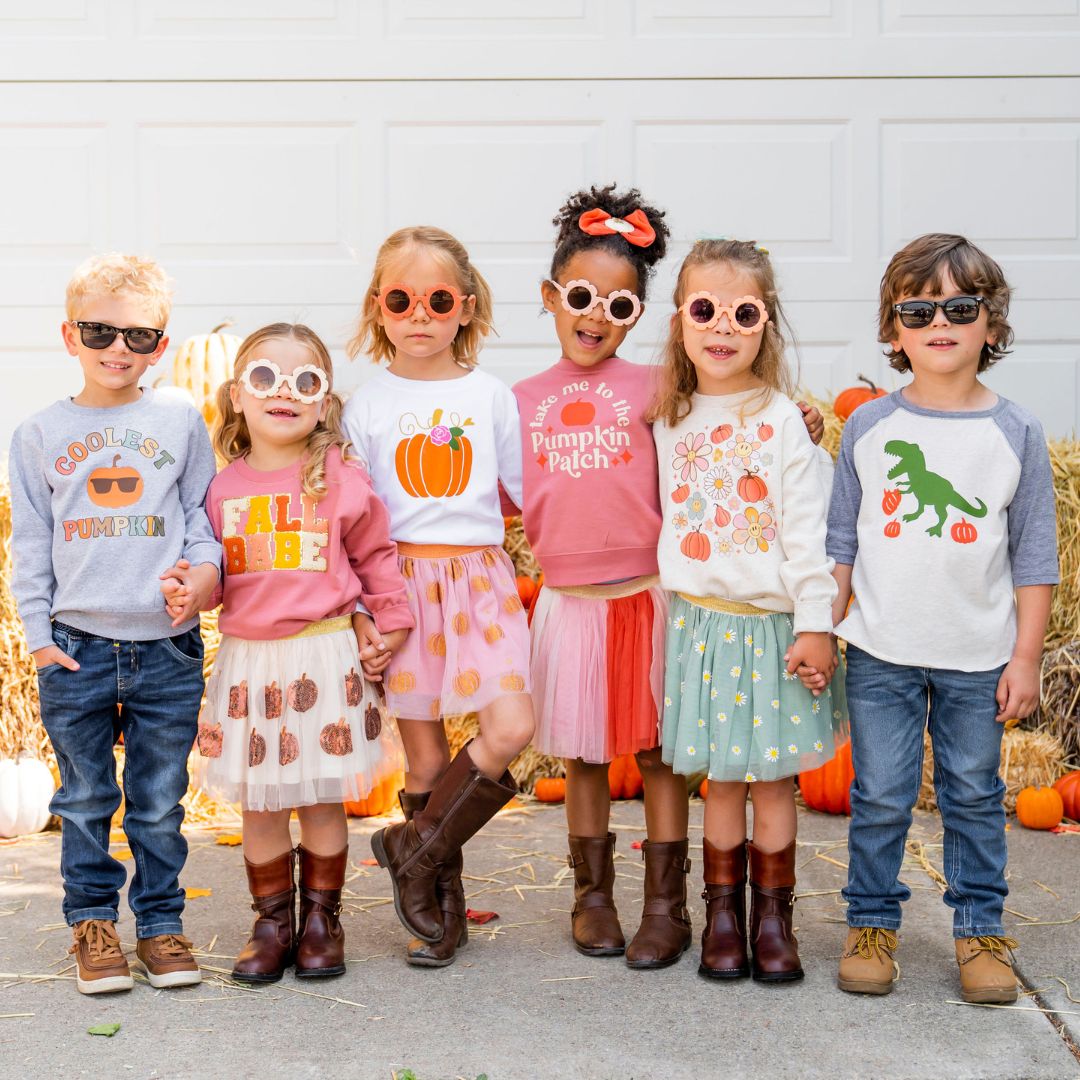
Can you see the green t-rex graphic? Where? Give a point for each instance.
(928, 487)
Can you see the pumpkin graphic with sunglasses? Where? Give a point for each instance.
(114, 486)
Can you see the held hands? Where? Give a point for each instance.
(52, 655)
(813, 659)
(814, 421)
(187, 589)
(1017, 690)
(376, 650)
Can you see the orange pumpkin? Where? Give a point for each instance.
(513, 684)
(828, 788)
(428, 469)
(460, 623)
(892, 528)
(751, 488)
(719, 434)
(681, 493)
(578, 413)
(721, 517)
(847, 401)
(550, 789)
(493, 633)
(624, 777)
(696, 545)
(703, 791)
(115, 485)
(890, 500)
(1068, 787)
(1039, 808)
(466, 683)
(963, 532)
(765, 432)
(436, 644)
(526, 588)
(380, 800)
(401, 682)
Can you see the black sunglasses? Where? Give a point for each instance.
(99, 335)
(961, 310)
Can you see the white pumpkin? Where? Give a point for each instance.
(26, 788)
(202, 364)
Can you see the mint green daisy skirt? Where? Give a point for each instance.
(731, 708)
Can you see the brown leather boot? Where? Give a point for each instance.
(451, 896)
(461, 803)
(594, 921)
(272, 945)
(723, 941)
(320, 947)
(664, 933)
(773, 946)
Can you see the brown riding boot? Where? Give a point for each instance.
(773, 946)
(723, 941)
(664, 933)
(451, 896)
(320, 947)
(272, 945)
(461, 803)
(594, 921)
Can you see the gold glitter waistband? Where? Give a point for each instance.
(728, 607)
(323, 626)
(436, 551)
(616, 591)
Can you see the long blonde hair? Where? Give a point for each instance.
(371, 338)
(678, 376)
(232, 439)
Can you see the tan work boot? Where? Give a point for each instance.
(986, 972)
(101, 967)
(868, 966)
(167, 960)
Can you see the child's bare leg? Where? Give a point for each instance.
(725, 814)
(427, 753)
(775, 818)
(667, 808)
(324, 828)
(588, 798)
(266, 834)
(506, 726)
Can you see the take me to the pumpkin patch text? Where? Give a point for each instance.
(584, 445)
(260, 532)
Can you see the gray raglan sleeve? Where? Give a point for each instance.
(842, 542)
(33, 580)
(200, 544)
(1032, 518)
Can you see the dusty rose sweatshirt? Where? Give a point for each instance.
(290, 561)
(592, 508)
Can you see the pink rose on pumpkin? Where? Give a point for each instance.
(440, 434)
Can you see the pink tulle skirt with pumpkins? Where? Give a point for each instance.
(293, 722)
(471, 641)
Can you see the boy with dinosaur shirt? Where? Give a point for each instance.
(943, 531)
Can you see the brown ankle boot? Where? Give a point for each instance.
(451, 896)
(664, 933)
(272, 945)
(723, 941)
(594, 921)
(320, 947)
(461, 803)
(773, 946)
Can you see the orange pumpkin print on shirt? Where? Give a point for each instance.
(434, 460)
(115, 485)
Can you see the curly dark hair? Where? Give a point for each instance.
(572, 238)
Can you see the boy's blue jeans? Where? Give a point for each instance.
(158, 686)
(889, 704)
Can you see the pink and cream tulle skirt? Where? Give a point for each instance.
(598, 669)
(292, 722)
(471, 640)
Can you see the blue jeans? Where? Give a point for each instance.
(889, 706)
(150, 691)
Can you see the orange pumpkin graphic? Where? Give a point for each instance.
(696, 545)
(115, 485)
(751, 488)
(963, 532)
(890, 500)
(435, 463)
(466, 683)
(578, 413)
(892, 529)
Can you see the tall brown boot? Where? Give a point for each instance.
(451, 896)
(594, 920)
(320, 948)
(772, 897)
(664, 933)
(461, 803)
(272, 945)
(723, 941)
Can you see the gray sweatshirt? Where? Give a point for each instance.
(102, 501)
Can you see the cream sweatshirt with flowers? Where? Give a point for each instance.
(744, 502)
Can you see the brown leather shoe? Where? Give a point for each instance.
(320, 945)
(664, 933)
(723, 941)
(986, 971)
(868, 965)
(167, 961)
(773, 947)
(100, 967)
(451, 896)
(461, 803)
(272, 945)
(594, 921)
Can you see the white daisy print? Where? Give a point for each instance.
(756, 676)
(712, 747)
(759, 651)
(736, 750)
(729, 636)
(680, 622)
(722, 717)
(699, 648)
(735, 671)
(795, 718)
(749, 778)
(816, 707)
(706, 676)
(787, 676)
(740, 698)
(691, 750)
(667, 703)
(748, 639)
(700, 722)
(714, 693)
(775, 703)
(758, 721)
(819, 746)
(772, 753)
(792, 748)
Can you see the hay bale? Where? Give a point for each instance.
(1027, 758)
(517, 547)
(1059, 709)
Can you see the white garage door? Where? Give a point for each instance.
(261, 149)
